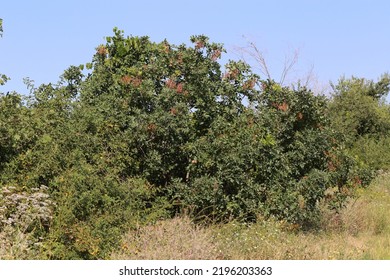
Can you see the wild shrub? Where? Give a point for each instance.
(358, 111)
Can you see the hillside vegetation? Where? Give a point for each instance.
(152, 139)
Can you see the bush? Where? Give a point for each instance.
(93, 213)
(275, 160)
(358, 108)
(372, 152)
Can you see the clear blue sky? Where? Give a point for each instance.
(42, 38)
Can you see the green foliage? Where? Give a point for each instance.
(372, 152)
(277, 160)
(13, 130)
(358, 107)
(359, 112)
(3, 79)
(156, 129)
(93, 212)
(306, 159)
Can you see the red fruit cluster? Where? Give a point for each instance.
(173, 85)
(170, 84)
(102, 50)
(282, 107)
(232, 74)
(134, 81)
(179, 88)
(216, 55)
(249, 84)
(151, 127)
(173, 111)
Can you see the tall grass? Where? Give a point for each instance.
(176, 238)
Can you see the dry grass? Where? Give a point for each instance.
(177, 238)
(13, 244)
(360, 231)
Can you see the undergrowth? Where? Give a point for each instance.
(361, 230)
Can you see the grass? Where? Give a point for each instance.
(360, 231)
(177, 238)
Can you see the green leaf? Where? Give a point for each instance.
(46, 139)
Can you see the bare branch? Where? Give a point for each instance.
(259, 57)
(255, 57)
(289, 63)
(310, 77)
(310, 80)
(254, 53)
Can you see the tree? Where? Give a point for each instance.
(277, 158)
(160, 97)
(358, 111)
(357, 107)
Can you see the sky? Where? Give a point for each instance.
(334, 38)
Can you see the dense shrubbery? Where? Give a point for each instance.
(359, 112)
(156, 129)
